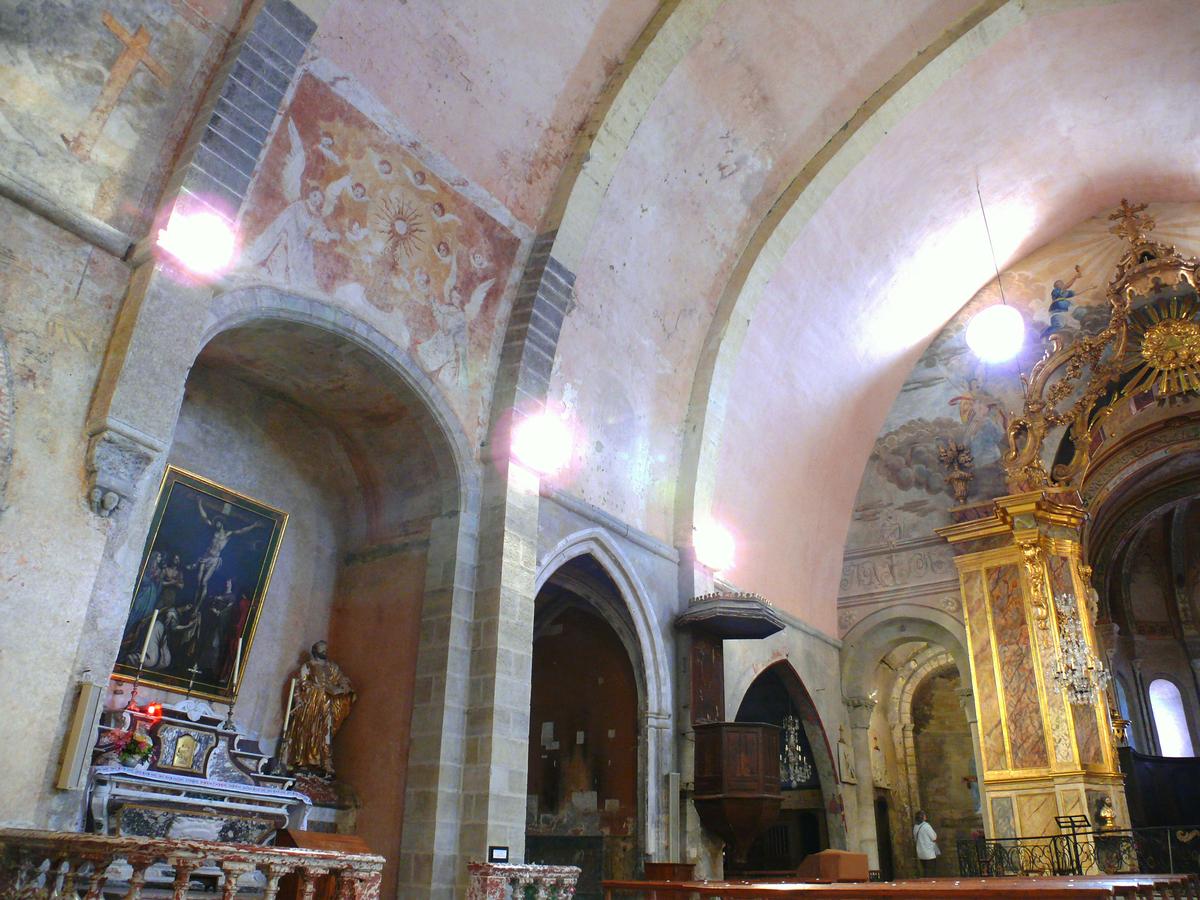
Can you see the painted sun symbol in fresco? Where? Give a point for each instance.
(401, 227)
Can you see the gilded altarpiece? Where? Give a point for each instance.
(1043, 756)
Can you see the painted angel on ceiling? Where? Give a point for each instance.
(285, 247)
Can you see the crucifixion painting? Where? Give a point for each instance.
(205, 573)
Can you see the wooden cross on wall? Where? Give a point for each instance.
(135, 53)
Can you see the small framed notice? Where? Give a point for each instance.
(497, 854)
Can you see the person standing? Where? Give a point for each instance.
(927, 848)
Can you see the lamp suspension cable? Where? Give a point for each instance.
(995, 334)
(992, 247)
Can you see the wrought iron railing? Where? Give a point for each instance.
(1095, 851)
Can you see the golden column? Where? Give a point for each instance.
(1045, 735)
(1044, 729)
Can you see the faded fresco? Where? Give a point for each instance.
(952, 396)
(341, 208)
(91, 87)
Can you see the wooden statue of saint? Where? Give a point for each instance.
(321, 699)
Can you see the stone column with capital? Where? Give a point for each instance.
(966, 699)
(859, 710)
(1042, 752)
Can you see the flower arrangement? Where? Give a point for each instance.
(131, 747)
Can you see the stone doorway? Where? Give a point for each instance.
(584, 806)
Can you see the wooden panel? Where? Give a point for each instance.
(737, 758)
(708, 679)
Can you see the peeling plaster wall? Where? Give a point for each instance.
(58, 298)
(732, 123)
(523, 79)
(95, 131)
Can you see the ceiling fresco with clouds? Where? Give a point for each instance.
(951, 395)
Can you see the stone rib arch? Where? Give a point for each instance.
(240, 306)
(653, 661)
(930, 662)
(872, 637)
(786, 219)
(595, 542)
(434, 790)
(545, 294)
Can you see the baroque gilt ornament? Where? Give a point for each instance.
(1151, 343)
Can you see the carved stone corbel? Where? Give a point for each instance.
(116, 461)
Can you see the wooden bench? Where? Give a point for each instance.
(1135, 887)
(1130, 887)
(933, 889)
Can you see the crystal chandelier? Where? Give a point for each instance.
(1079, 672)
(794, 765)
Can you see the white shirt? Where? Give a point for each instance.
(925, 837)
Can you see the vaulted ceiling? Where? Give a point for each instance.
(770, 208)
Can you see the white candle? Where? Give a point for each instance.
(237, 664)
(149, 634)
(287, 716)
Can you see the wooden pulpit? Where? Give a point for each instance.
(738, 792)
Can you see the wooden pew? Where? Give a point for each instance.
(933, 889)
(1129, 887)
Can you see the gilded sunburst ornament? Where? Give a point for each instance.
(402, 227)
(1167, 339)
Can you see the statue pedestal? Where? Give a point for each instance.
(334, 805)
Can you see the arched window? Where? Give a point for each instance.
(1169, 720)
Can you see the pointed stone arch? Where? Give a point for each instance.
(162, 357)
(814, 730)
(653, 666)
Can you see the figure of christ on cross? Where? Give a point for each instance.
(135, 53)
(211, 560)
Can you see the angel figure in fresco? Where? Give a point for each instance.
(382, 165)
(976, 408)
(325, 148)
(1060, 304)
(444, 355)
(285, 247)
(419, 179)
(354, 191)
(438, 211)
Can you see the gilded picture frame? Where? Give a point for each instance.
(205, 572)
